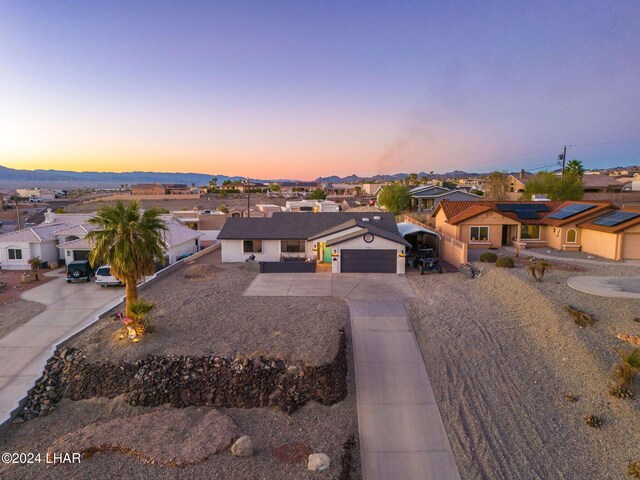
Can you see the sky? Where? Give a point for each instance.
(274, 89)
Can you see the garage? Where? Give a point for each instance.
(368, 261)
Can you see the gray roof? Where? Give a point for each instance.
(300, 226)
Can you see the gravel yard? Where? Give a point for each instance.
(14, 313)
(502, 355)
(200, 310)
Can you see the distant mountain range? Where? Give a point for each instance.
(14, 178)
(10, 177)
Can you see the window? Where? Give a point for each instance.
(530, 232)
(292, 246)
(479, 234)
(15, 254)
(572, 235)
(252, 246)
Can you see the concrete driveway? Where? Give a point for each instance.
(25, 351)
(615, 287)
(401, 432)
(344, 285)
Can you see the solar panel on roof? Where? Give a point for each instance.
(526, 215)
(514, 207)
(615, 218)
(571, 210)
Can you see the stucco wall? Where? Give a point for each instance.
(182, 249)
(631, 244)
(48, 251)
(232, 251)
(15, 264)
(600, 243)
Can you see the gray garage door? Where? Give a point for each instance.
(368, 261)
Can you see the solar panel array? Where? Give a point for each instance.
(522, 207)
(571, 210)
(615, 218)
(527, 215)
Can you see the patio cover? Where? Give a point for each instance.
(406, 228)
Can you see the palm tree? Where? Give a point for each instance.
(575, 167)
(131, 241)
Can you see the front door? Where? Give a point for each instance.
(326, 254)
(505, 235)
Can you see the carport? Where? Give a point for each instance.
(420, 237)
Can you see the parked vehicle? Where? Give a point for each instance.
(79, 271)
(104, 278)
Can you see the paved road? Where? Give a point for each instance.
(615, 287)
(401, 432)
(25, 351)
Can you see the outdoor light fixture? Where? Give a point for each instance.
(335, 253)
(402, 254)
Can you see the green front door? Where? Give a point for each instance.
(326, 255)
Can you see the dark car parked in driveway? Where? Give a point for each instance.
(79, 271)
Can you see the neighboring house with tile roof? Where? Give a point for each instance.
(348, 242)
(566, 225)
(429, 196)
(61, 238)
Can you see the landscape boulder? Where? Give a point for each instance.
(318, 462)
(242, 447)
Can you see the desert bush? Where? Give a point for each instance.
(488, 257)
(634, 469)
(580, 318)
(34, 263)
(538, 268)
(140, 313)
(621, 391)
(505, 262)
(594, 421)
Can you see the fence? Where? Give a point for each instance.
(453, 251)
(287, 267)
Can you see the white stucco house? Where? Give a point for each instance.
(347, 242)
(61, 237)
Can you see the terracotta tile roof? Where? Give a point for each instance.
(458, 211)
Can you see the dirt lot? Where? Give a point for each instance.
(202, 313)
(502, 355)
(200, 310)
(15, 288)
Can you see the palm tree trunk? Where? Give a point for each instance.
(131, 288)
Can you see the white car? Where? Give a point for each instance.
(104, 277)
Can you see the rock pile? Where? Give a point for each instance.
(182, 381)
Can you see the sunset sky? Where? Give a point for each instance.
(272, 89)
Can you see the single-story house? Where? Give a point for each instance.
(429, 196)
(311, 206)
(61, 237)
(349, 242)
(595, 227)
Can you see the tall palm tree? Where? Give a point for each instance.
(130, 240)
(575, 167)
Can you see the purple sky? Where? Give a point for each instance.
(302, 89)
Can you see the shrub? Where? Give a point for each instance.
(488, 257)
(140, 313)
(580, 318)
(538, 268)
(634, 469)
(34, 263)
(593, 421)
(505, 262)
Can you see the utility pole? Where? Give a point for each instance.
(563, 157)
(248, 198)
(18, 221)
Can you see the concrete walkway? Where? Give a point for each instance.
(615, 287)
(401, 432)
(24, 351)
